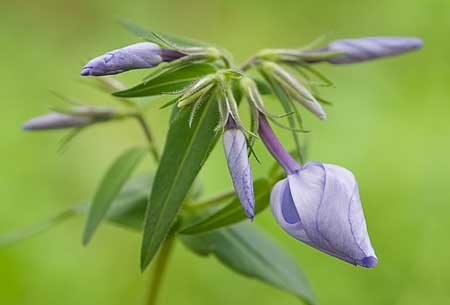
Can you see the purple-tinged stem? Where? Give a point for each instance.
(171, 55)
(276, 148)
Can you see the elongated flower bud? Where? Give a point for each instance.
(319, 205)
(76, 117)
(56, 121)
(295, 89)
(136, 56)
(235, 147)
(362, 49)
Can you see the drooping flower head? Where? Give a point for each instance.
(136, 56)
(319, 204)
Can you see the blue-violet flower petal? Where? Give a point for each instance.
(235, 147)
(320, 205)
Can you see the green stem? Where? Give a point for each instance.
(149, 136)
(37, 228)
(160, 268)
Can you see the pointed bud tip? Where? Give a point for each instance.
(416, 43)
(26, 126)
(250, 214)
(86, 71)
(369, 262)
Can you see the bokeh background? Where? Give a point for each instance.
(389, 125)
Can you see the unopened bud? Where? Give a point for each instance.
(136, 56)
(295, 89)
(76, 117)
(362, 49)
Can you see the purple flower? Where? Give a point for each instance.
(319, 205)
(57, 121)
(235, 146)
(362, 49)
(136, 56)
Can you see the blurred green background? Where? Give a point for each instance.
(389, 125)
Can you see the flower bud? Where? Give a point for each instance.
(76, 117)
(194, 91)
(235, 147)
(362, 49)
(320, 206)
(56, 121)
(136, 56)
(295, 89)
(251, 91)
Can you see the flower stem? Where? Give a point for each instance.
(160, 268)
(149, 136)
(277, 150)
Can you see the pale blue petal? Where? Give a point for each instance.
(328, 210)
(235, 147)
(284, 210)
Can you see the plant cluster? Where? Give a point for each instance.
(315, 203)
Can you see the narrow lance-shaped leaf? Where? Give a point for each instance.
(185, 151)
(128, 209)
(246, 250)
(231, 213)
(109, 188)
(159, 37)
(168, 82)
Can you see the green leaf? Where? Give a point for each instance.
(159, 38)
(168, 82)
(109, 188)
(248, 251)
(229, 214)
(185, 152)
(128, 210)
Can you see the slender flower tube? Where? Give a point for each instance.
(136, 56)
(235, 146)
(362, 49)
(319, 205)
